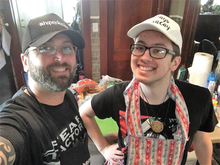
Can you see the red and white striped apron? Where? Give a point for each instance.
(151, 151)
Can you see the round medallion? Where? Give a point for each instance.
(157, 126)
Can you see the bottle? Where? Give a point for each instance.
(217, 70)
(211, 81)
(181, 73)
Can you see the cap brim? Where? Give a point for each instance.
(76, 38)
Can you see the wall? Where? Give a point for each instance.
(177, 10)
(95, 39)
(177, 7)
(95, 44)
(94, 8)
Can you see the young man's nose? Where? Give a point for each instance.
(146, 55)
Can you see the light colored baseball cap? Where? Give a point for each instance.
(160, 23)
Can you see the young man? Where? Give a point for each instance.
(41, 123)
(158, 118)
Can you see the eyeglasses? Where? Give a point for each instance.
(67, 49)
(155, 52)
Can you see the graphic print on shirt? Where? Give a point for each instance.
(170, 126)
(68, 138)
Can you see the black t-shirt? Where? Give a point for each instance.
(44, 134)
(111, 103)
(165, 113)
(69, 127)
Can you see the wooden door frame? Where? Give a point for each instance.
(188, 29)
(87, 36)
(103, 37)
(15, 42)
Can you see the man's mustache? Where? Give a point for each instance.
(59, 65)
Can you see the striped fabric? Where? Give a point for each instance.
(151, 151)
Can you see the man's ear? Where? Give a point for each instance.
(175, 63)
(24, 60)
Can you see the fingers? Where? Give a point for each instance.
(116, 162)
(118, 153)
(113, 155)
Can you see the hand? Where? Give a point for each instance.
(113, 155)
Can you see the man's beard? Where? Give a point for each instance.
(45, 79)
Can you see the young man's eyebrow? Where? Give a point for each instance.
(156, 44)
(140, 42)
(160, 44)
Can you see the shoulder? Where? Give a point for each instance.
(116, 90)
(72, 94)
(185, 85)
(118, 87)
(19, 103)
(109, 101)
(196, 98)
(194, 92)
(20, 100)
(14, 115)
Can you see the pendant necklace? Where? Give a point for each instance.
(156, 125)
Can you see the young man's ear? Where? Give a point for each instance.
(24, 60)
(175, 63)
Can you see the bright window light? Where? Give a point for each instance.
(38, 9)
(32, 8)
(69, 10)
(214, 3)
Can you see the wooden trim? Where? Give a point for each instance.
(87, 36)
(164, 7)
(188, 29)
(103, 37)
(15, 43)
(110, 34)
(154, 8)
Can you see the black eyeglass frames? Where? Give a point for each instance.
(155, 52)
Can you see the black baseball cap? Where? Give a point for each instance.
(41, 29)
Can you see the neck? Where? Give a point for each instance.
(154, 95)
(45, 96)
